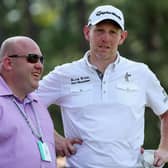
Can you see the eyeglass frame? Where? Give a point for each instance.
(29, 57)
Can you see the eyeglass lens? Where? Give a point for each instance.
(33, 58)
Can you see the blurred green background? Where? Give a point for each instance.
(57, 26)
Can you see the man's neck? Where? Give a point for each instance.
(101, 64)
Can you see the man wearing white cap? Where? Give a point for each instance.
(103, 98)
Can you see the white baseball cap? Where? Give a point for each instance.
(106, 12)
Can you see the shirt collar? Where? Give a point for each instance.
(6, 91)
(113, 64)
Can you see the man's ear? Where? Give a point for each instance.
(124, 35)
(7, 63)
(86, 31)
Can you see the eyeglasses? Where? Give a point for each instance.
(31, 58)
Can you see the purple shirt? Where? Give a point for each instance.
(18, 145)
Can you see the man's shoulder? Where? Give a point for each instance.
(71, 66)
(133, 63)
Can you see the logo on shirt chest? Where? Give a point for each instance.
(127, 77)
(81, 79)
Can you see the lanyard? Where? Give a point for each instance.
(35, 131)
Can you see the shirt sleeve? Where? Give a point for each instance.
(157, 98)
(49, 89)
(1, 113)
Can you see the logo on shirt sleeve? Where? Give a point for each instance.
(165, 96)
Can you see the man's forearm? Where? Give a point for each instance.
(164, 131)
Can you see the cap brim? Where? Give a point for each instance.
(104, 19)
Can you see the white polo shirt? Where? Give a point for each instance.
(107, 114)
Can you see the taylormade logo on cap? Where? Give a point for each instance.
(106, 12)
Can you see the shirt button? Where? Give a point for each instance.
(104, 92)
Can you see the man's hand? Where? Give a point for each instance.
(65, 146)
(161, 154)
(160, 157)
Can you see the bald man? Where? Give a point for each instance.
(26, 129)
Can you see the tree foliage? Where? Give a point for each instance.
(57, 27)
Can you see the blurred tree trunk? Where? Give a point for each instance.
(30, 28)
(3, 30)
(80, 8)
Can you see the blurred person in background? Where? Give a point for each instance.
(103, 98)
(26, 129)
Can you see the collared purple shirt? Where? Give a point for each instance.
(18, 146)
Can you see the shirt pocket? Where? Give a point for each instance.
(128, 93)
(79, 95)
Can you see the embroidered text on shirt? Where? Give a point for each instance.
(81, 79)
